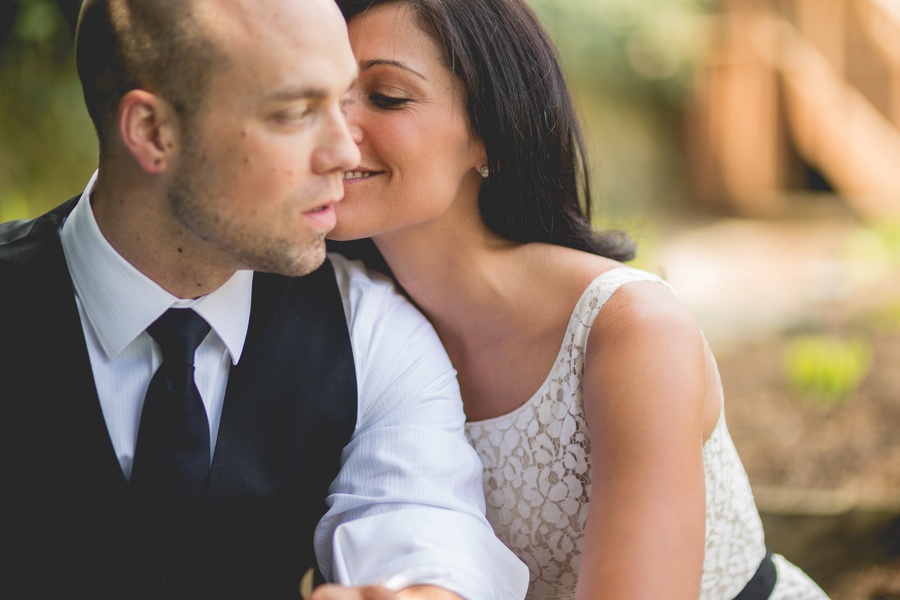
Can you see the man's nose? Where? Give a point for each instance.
(338, 150)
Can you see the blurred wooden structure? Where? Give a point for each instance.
(793, 87)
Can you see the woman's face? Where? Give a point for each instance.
(419, 159)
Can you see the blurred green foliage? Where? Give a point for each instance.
(884, 318)
(827, 369)
(642, 51)
(47, 144)
(631, 66)
(629, 63)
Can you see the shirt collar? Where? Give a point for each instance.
(121, 302)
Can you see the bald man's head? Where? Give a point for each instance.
(157, 45)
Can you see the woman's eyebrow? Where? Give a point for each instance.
(365, 65)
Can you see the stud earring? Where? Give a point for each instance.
(485, 171)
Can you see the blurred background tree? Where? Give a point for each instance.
(631, 67)
(47, 144)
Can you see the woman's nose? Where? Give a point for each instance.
(351, 114)
(355, 132)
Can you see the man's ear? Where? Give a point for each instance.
(147, 126)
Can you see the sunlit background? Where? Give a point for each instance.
(752, 147)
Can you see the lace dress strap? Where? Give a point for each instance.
(599, 291)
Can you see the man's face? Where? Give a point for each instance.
(261, 164)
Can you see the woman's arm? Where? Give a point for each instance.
(644, 389)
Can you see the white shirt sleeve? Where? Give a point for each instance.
(407, 507)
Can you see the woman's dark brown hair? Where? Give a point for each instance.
(518, 104)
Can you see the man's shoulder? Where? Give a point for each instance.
(20, 251)
(354, 272)
(384, 324)
(22, 240)
(14, 230)
(369, 293)
(30, 252)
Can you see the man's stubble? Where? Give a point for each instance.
(192, 202)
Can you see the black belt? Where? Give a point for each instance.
(762, 583)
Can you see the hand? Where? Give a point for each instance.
(339, 592)
(417, 592)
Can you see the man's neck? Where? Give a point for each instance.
(136, 222)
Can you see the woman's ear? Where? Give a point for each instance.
(481, 163)
(147, 126)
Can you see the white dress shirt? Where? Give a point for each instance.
(407, 506)
(117, 303)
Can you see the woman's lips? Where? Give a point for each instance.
(351, 177)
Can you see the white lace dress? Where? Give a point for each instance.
(537, 480)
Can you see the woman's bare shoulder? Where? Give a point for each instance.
(643, 304)
(647, 323)
(566, 270)
(646, 347)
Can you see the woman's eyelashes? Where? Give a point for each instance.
(387, 102)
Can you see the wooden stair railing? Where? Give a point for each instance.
(774, 74)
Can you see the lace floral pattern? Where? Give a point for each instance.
(537, 478)
(537, 484)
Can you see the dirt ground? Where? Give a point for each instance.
(826, 478)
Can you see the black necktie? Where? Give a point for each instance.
(171, 460)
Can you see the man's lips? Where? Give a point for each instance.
(323, 217)
(337, 196)
(324, 207)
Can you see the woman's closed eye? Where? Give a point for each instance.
(388, 102)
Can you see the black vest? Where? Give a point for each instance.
(71, 522)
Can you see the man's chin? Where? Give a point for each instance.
(294, 263)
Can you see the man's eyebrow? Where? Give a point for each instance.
(289, 94)
(365, 65)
